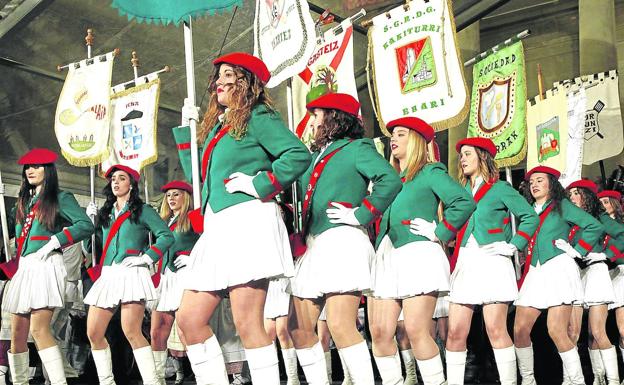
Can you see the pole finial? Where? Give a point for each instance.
(89, 37)
(135, 60)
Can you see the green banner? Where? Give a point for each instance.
(498, 104)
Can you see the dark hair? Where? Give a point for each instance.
(48, 197)
(556, 192)
(337, 125)
(590, 202)
(135, 204)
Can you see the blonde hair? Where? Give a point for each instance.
(248, 92)
(487, 167)
(417, 155)
(184, 223)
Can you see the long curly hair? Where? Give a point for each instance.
(618, 212)
(336, 125)
(248, 92)
(135, 203)
(184, 223)
(589, 201)
(487, 167)
(48, 197)
(556, 193)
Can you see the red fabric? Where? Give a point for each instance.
(573, 232)
(38, 156)
(157, 251)
(211, 145)
(184, 146)
(134, 174)
(371, 208)
(197, 220)
(70, 239)
(527, 262)
(495, 231)
(40, 238)
(276, 185)
(482, 143)
(248, 62)
(610, 194)
(342, 102)
(523, 235)
(584, 183)
(415, 124)
(544, 170)
(10, 267)
(449, 226)
(95, 271)
(179, 185)
(584, 245)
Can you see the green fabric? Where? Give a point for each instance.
(615, 231)
(268, 146)
(345, 179)
(430, 186)
(488, 222)
(168, 11)
(183, 242)
(493, 114)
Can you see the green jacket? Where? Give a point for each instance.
(419, 198)
(614, 245)
(182, 245)
(132, 239)
(268, 149)
(345, 180)
(558, 225)
(70, 226)
(489, 221)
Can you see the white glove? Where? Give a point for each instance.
(44, 252)
(239, 182)
(500, 248)
(342, 214)
(567, 248)
(181, 261)
(189, 112)
(595, 257)
(141, 261)
(92, 210)
(423, 228)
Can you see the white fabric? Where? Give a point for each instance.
(323, 315)
(547, 131)
(52, 362)
(556, 282)
(207, 362)
(413, 269)
(120, 284)
(389, 369)
(169, 291)
(36, 285)
(506, 364)
(277, 299)
(431, 371)
(597, 285)
(242, 243)
(144, 359)
(290, 365)
(572, 363)
(442, 307)
(312, 361)
(576, 131)
(5, 323)
(609, 360)
(455, 367)
(598, 368)
(160, 360)
(481, 278)
(617, 280)
(73, 258)
(263, 364)
(104, 366)
(222, 324)
(358, 362)
(18, 366)
(336, 261)
(524, 357)
(410, 367)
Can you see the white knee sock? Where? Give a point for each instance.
(346, 377)
(455, 367)
(390, 369)
(609, 360)
(104, 366)
(572, 363)
(160, 359)
(312, 361)
(290, 363)
(506, 364)
(328, 365)
(207, 362)
(263, 365)
(432, 371)
(410, 367)
(358, 362)
(524, 357)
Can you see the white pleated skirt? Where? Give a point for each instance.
(413, 269)
(323, 315)
(278, 299)
(120, 284)
(617, 280)
(336, 261)
(482, 278)
(240, 244)
(442, 307)
(5, 324)
(37, 285)
(597, 285)
(169, 291)
(556, 282)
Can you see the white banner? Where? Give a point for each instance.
(417, 69)
(576, 130)
(547, 131)
(329, 70)
(284, 37)
(134, 114)
(83, 114)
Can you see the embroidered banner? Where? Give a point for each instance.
(82, 114)
(498, 108)
(576, 129)
(416, 65)
(547, 128)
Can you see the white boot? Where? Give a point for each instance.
(390, 369)
(53, 363)
(597, 367)
(313, 363)
(358, 362)
(207, 362)
(572, 363)
(506, 364)
(328, 365)
(410, 367)
(290, 364)
(145, 362)
(3, 372)
(263, 365)
(524, 357)
(160, 359)
(455, 367)
(566, 377)
(346, 377)
(18, 365)
(609, 360)
(104, 366)
(432, 371)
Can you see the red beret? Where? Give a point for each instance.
(343, 102)
(248, 62)
(482, 143)
(177, 184)
(38, 156)
(542, 169)
(413, 123)
(610, 194)
(130, 171)
(584, 183)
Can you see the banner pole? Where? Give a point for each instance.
(190, 89)
(291, 127)
(497, 47)
(3, 218)
(89, 41)
(516, 261)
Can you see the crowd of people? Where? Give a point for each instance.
(226, 279)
